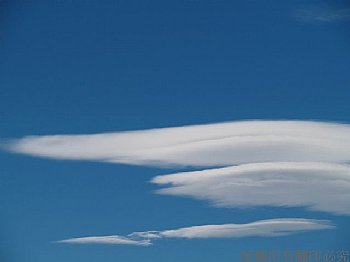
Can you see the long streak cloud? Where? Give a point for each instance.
(213, 145)
(316, 186)
(263, 228)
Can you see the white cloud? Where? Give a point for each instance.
(316, 186)
(107, 240)
(220, 144)
(263, 228)
(323, 15)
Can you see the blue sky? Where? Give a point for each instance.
(84, 67)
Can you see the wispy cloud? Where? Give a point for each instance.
(323, 15)
(107, 240)
(316, 186)
(220, 144)
(263, 228)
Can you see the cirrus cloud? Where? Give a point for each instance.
(318, 14)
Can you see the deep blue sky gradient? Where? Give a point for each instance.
(73, 66)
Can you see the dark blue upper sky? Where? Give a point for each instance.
(74, 66)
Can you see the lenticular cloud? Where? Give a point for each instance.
(221, 144)
(262, 228)
(262, 163)
(316, 186)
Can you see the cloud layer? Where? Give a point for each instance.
(263, 228)
(316, 186)
(220, 144)
(258, 163)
